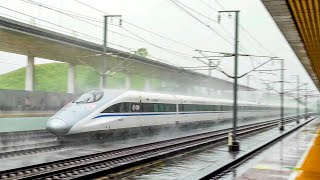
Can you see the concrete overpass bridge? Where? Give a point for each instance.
(20, 38)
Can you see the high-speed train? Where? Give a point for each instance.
(106, 110)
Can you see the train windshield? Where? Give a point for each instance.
(90, 97)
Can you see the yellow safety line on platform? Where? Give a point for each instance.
(310, 168)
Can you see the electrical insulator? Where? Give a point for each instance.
(219, 18)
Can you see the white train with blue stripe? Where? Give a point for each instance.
(107, 110)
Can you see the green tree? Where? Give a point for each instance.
(142, 52)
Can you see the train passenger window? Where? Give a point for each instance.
(181, 108)
(148, 107)
(216, 108)
(158, 107)
(161, 107)
(226, 108)
(172, 108)
(198, 107)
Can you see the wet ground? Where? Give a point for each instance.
(189, 165)
(280, 161)
(31, 159)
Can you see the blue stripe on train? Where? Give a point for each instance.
(155, 114)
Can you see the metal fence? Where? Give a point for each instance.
(20, 100)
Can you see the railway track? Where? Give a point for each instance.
(95, 165)
(25, 142)
(32, 142)
(16, 137)
(38, 141)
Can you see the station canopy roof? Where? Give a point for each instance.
(299, 21)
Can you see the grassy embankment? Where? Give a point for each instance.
(53, 78)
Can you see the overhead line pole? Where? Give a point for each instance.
(281, 94)
(105, 46)
(306, 102)
(233, 143)
(298, 98)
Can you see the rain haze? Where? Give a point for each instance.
(259, 35)
(159, 89)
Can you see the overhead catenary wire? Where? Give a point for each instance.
(139, 27)
(180, 4)
(200, 21)
(242, 27)
(69, 29)
(140, 39)
(76, 15)
(160, 47)
(150, 31)
(207, 4)
(204, 16)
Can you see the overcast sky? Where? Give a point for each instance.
(165, 18)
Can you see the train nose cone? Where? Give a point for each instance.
(57, 127)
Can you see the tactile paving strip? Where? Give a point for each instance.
(310, 168)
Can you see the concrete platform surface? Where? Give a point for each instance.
(284, 160)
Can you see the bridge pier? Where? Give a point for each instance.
(103, 81)
(29, 74)
(128, 82)
(71, 79)
(163, 84)
(147, 85)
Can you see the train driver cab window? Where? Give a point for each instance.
(117, 108)
(90, 97)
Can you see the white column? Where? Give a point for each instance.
(103, 81)
(147, 86)
(71, 78)
(29, 74)
(128, 82)
(163, 84)
(190, 90)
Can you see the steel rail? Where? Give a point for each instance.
(33, 148)
(7, 137)
(89, 166)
